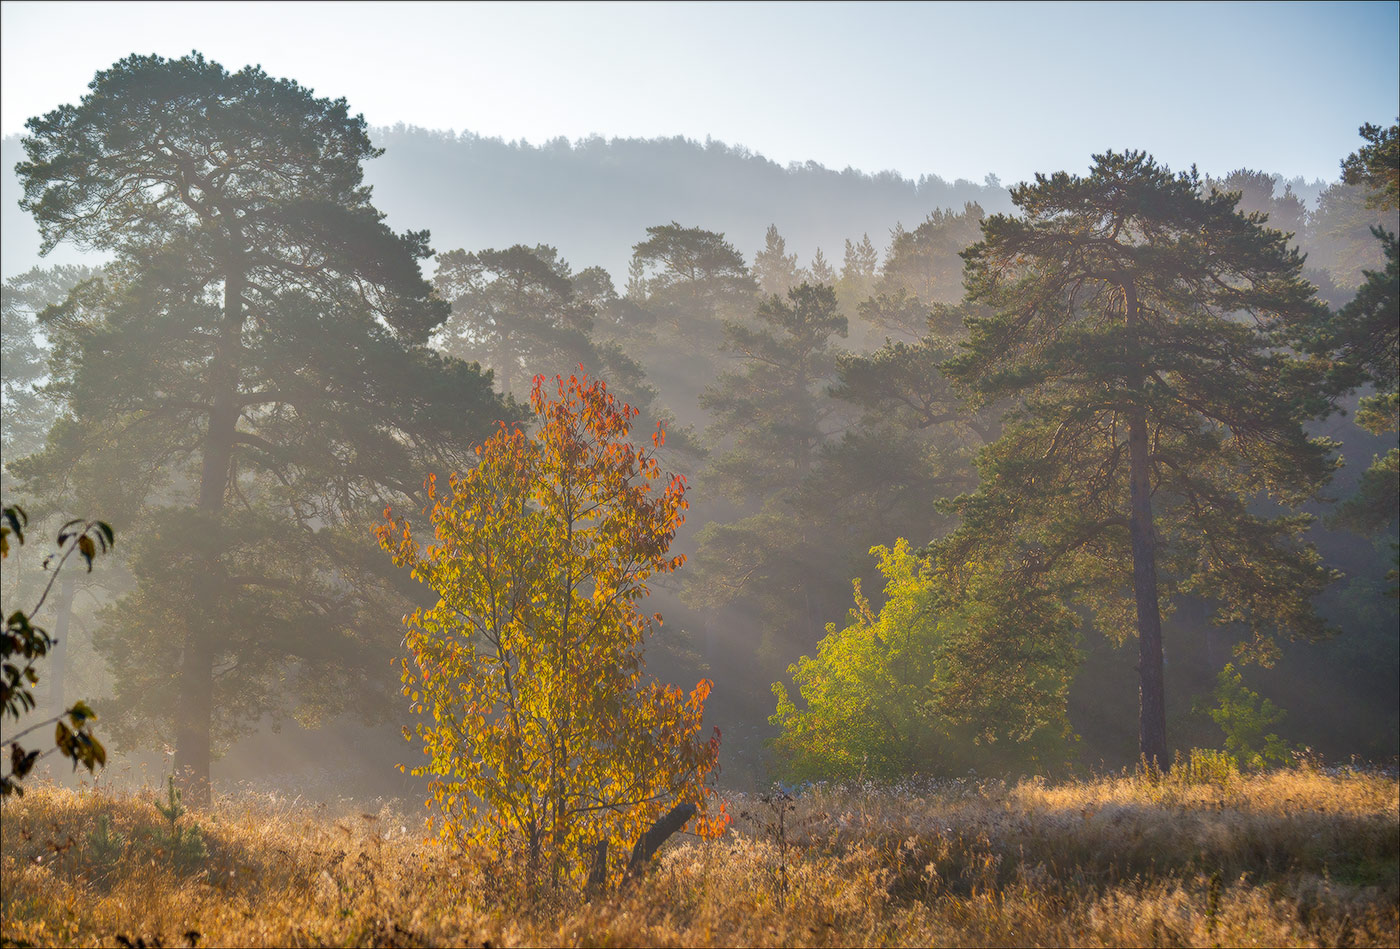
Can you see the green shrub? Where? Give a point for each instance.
(1245, 719)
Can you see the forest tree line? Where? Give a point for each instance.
(991, 423)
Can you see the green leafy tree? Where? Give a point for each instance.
(255, 356)
(893, 693)
(1140, 329)
(1246, 719)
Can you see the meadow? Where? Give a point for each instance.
(1204, 856)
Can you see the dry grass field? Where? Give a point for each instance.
(1294, 857)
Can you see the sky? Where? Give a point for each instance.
(955, 90)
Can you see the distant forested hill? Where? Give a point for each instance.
(594, 199)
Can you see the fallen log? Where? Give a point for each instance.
(651, 841)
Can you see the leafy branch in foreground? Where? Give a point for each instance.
(25, 644)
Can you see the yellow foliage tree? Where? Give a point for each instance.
(545, 740)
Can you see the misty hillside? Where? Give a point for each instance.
(594, 199)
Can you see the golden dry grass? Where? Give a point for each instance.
(1286, 858)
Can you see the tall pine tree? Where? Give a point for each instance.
(1141, 329)
(771, 420)
(1366, 332)
(260, 338)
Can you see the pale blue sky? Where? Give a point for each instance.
(949, 89)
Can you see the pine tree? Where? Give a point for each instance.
(260, 338)
(771, 420)
(859, 269)
(695, 280)
(514, 312)
(1141, 328)
(1258, 194)
(773, 267)
(924, 262)
(1366, 332)
(922, 269)
(28, 414)
(821, 271)
(772, 412)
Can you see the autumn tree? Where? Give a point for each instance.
(1141, 329)
(546, 740)
(253, 363)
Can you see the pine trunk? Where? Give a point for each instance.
(194, 735)
(1152, 708)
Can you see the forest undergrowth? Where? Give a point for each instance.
(1202, 857)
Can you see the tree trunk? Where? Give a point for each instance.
(598, 871)
(656, 835)
(58, 656)
(194, 735)
(1152, 711)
